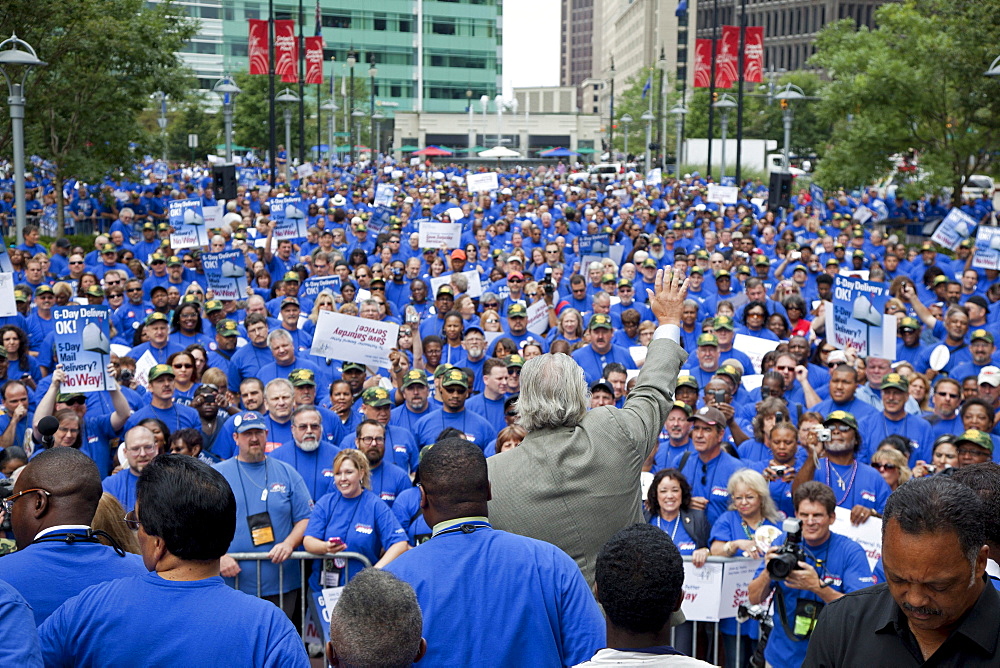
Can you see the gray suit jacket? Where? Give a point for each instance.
(576, 487)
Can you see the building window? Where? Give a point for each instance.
(405, 25)
(380, 23)
(336, 20)
(443, 27)
(208, 12)
(238, 49)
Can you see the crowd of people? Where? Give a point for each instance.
(329, 455)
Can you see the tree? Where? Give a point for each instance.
(105, 58)
(193, 119)
(914, 84)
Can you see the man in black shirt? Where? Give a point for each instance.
(936, 606)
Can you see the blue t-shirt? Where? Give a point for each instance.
(710, 480)
(476, 429)
(593, 363)
(363, 522)
(400, 448)
(316, 467)
(684, 542)
(19, 643)
(122, 486)
(845, 568)
(222, 627)
(287, 502)
(729, 527)
(411, 517)
(176, 417)
(854, 485)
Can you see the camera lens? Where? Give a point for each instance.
(782, 565)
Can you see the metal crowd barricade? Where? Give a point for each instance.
(303, 558)
(713, 626)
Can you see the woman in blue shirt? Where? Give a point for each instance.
(669, 505)
(733, 535)
(351, 518)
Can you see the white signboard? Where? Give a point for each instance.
(8, 306)
(862, 214)
(438, 235)
(142, 367)
(213, 216)
(353, 339)
(538, 317)
(724, 194)
(383, 194)
(484, 182)
(655, 177)
(867, 535)
(736, 578)
(305, 170)
(859, 319)
(956, 227)
(754, 347)
(702, 592)
(987, 254)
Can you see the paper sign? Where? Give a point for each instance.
(752, 381)
(955, 228)
(754, 347)
(83, 346)
(654, 177)
(5, 264)
(638, 354)
(736, 579)
(290, 218)
(724, 194)
(188, 222)
(859, 319)
(314, 285)
(384, 193)
(8, 306)
(353, 339)
(595, 244)
(226, 274)
(987, 253)
(213, 216)
(479, 183)
(305, 170)
(538, 317)
(868, 535)
(436, 235)
(474, 290)
(862, 214)
(455, 214)
(142, 367)
(702, 592)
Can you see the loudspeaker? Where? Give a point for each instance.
(779, 192)
(224, 181)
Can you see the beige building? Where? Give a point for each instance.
(522, 132)
(547, 100)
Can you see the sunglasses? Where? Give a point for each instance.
(183, 366)
(884, 467)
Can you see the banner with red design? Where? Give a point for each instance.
(703, 63)
(753, 55)
(726, 60)
(314, 60)
(257, 47)
(286, 51)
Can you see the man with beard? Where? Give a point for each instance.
(304, 388)
(387, 479)
(415, 393)
(675, 439)
(474, 343)
(376, 405)
(309, 453)
(453, 413)
(843, 386)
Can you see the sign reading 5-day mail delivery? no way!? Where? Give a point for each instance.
(436, 235)
(83, 347)
(353, 339)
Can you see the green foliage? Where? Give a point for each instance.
(192, 118)
(105, 58)
(914, 84)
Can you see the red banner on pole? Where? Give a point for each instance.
(286, 52)
(753, 55)
(314, 60)
(702, 63)
(726, 63)
(257, 47)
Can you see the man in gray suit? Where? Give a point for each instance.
(574, 480)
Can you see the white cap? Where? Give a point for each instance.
(989, 375)
(837, 357)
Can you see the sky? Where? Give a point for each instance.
(530, 43)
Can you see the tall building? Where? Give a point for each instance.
(576, 50)
(429, 54)
(790, 26)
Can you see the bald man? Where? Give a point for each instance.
(58, 555)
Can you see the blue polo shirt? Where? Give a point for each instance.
(593, 363)
(855, 485)
(710, 480)
(476, 429)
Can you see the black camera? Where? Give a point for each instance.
(125, 377)
(790, 554)
(6, 489)
(720, 396)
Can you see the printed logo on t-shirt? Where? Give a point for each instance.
(470, 437)
(327, 473)
(387, 496)
(363, 528)
(868, 496)
(833, 580)
(681, 547)
(399, 448)
(720, 491)
(277, 488)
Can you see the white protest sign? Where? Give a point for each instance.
(8, 306)
(213, 216)
(859, 318)
(483, 182)
(724, 194)
(638, 354)
(862, 214)
(736, 578)
(188, 222)
(752, 382)
(654, 177)
(538, 317)
(867, 535)
(455, 214)
(436, 235)
(987, 254)
(305, 170)
(754, 347)
(474, 290)
(353, 339)
(955, 228)
(383, 194)
(142, 367)
(83, 347)
(702, 592)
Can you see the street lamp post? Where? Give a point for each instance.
(725, 103)
(352, 59)
(626, 121)
(679, 112)
(377, 136)
(357, 114)
(331, 108)
(468, 106)
(288, 98)
(484, 102)
(788, 94)
(226, 88)
(498, 100)
(611, 118)
(649, 117)
(161, 97)
(13, 56)
(372, 71)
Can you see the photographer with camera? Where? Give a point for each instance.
(809, 566)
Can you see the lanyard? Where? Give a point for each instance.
(263, 495)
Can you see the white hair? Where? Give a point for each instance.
(553, 393)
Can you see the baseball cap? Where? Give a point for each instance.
(708, 340)
(445, 290)
(454, 376)
(249, 420)
(602, 385)
(376, 397)
(730, 371)
(458, 254)
(607, 278)
(909, 322)
(20, 296)
(517, 310)
(624, 283)
(415, 377)
(515, 274)
(977, 335)
(108, 248)
(989, 375)
(157, 258)
(441, 368)
(289, 301)
(156, 316)
(161, 370)
(69, 396)
(976, 437)
(213, 305)
(680, 405)
(896, 381)
(979, 301)
(649, 262)
(174, 261)
(724, 322)
(352, 366)
(302, 377)
(227, 327)
(43, 288)
(841, 416)
(600, 321)
(95, 291)
(292, 276)
(686, 380)
(514, 361)
(709, 415)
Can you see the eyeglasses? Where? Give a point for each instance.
(884, 467)
(8, 503)
(136, 449)
(130, 521)
(948, 395)
(840, 426)
(372, 440)
(755, 315)
(514, 280)
(133, 289)
(531, 294)
(76, 261)
(973, 452)
(511, 413)
(115, 295)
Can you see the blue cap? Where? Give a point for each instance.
(249, 420)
